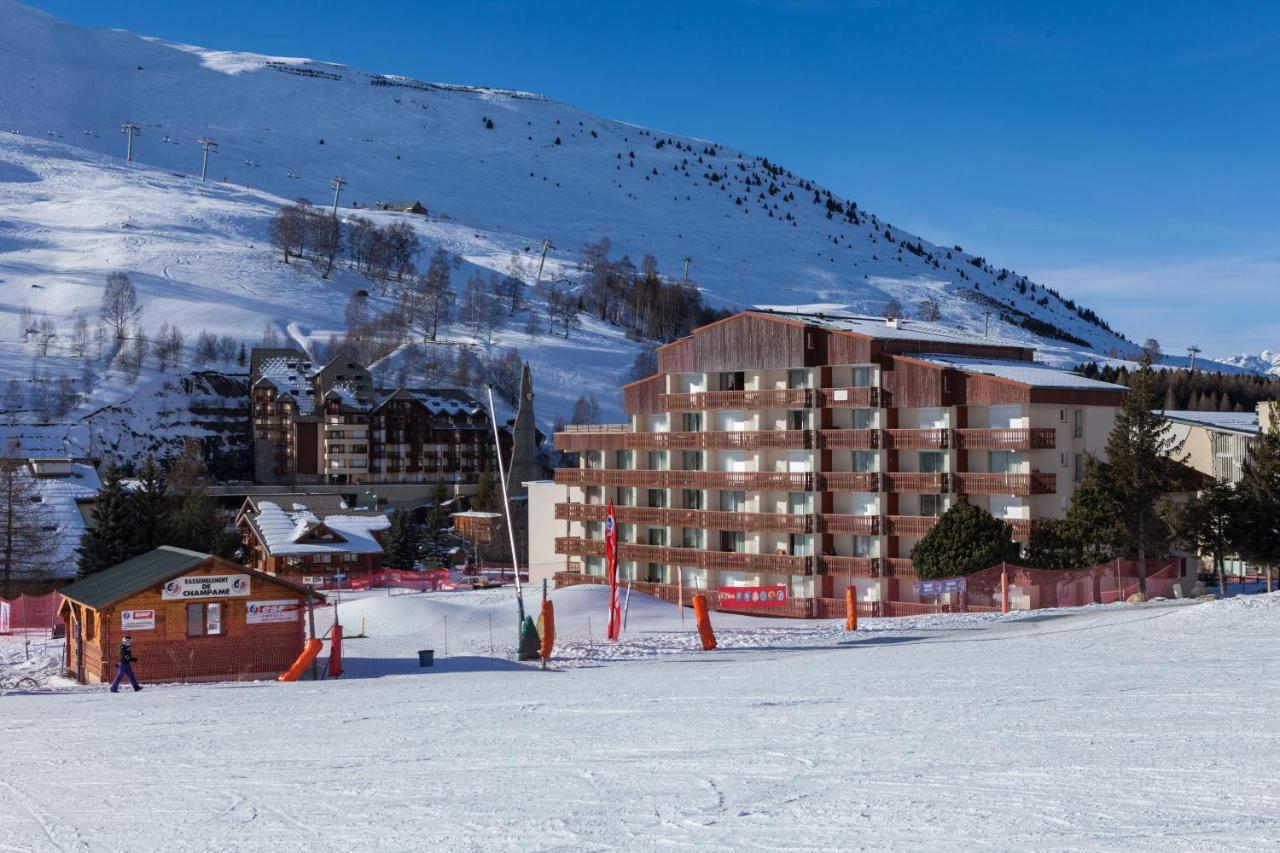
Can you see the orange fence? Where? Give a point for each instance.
(1032, 589)
(33, 612)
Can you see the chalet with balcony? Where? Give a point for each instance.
(307, 538)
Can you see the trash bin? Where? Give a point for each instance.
(426, 657)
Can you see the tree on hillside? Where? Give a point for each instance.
(403, 247)
(22, 545)
(287, 230)
(893, 310)
(1258, 539)
(428, 300)
(966, 539)
(109, 537)
(1208, 524)
(1140, 460)
(324, 235)
(400, 548)
(120, 304)
(149, 508)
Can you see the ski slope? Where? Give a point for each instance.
(1125, 728)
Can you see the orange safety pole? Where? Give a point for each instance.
(850, 610)
(1004, 588)
(703, 619)
(548, 631)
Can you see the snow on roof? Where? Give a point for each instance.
(347, 396)
(1242, 422)
(439, 401)
(290, 376)
(1025, 372)
(881, 328)
(475, 513)
(281, 529)
(58, 509)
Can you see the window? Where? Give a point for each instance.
(798, 378)
(799, 419)
(863, 377)
(691, 460)
(733, 541)
(800, 544)
(1077, 471)
(733, 501)
(864, 419)
(693, 421)
(624, 459)
(862, 546)
(799, 503)
(655, 573)
(866, 460)
(691, 537)
(932, 505)
(933, 461)
(1077, 426)
(322, 559)
(658, 497)
(1003, 462)
(204, 620)
(350, 558)
(732, 381)
(626, 497)
(658, 536)
(657, 460)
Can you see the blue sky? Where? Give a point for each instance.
(1126, 153)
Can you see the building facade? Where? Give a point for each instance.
(307, 538)
(331, 425)
(812, 452)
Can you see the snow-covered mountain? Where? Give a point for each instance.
(1265, 363)
(499, 171)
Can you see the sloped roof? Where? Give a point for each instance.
(1029, 373)
(124, 579)
(280, 530)
(436, 400)
(59, 508)
(1244, 423)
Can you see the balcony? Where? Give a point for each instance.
(782, 481)
(852, 481)
(899, 567)
(909, 525)
(773, 398)
(1006, 439)
(851, 439)
(785, 564)
(916, 439)
(790, 439)
(703, 519)
(915, 482)
(849, 398)
(857, 525)
(970, 483)
(858, 567)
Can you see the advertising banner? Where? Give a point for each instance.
(753, 596)
(206, 586)
(268, 612)
(138, 620)
(939, 587)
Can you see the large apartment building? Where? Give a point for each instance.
(813, 452)
(329, 424)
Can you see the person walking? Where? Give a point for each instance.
(124, 668)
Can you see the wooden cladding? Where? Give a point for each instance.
(772, 398)
(641, 398)
(783, 439)
(857, 525)
(852, 481)
(969, 483)
(858, 567)
(786, 564)
(702, 519)
(1006, 439)
(917, 439)
(855, 439)
(784, 481)
(914, 482)
(744, 341)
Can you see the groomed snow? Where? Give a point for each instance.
(1111, 728)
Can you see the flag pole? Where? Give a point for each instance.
(506, 509)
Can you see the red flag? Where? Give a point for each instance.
(611, 569)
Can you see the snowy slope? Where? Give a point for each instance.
(1102, 729)
(72, 210)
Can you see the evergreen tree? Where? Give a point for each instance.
(400, 548)
(1208, 524)
(109, 540)
(484, 499)
(1140, 461)
(149, 508)
(1258, 539)
(1094, 513)
(1054, 544)
(198, 525)
(966, 539)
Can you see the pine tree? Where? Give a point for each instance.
(1140, 454)
(1094, 513)
(149, 508)
(108, 541)
(400, 548)
(1209, 523)
(1258, 540)
(198, 525)
(22, 543)
(1053, 544)
(966, 539)
(484, 498)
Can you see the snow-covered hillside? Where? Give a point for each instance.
(499, 172)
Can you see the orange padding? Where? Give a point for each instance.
(850, 610)
(548, 630)
(703, 618)
(309, 652)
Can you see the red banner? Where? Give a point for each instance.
(753, 596)
(611, 569)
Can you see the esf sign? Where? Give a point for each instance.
(942, 587)
(138, 620)
(206, 586)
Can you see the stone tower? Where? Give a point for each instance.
(524, 441)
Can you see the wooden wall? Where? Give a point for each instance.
(746, 341)
(641, 398)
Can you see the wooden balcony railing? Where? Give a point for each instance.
(597, 427)
(855, 439)
(858, 567)
(782, 481)
(849, 398)
(786, 564)
(970, 483)
(703, 519)
(1039, 438)
(914, 482)
(909, 525)
(771, 398)
(858, 525)
(899, 567)
(916, 439)
(851, 481)
(789, 439)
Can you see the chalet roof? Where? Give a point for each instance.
(438, 401)
(290, 376)
(1030, 373)
(281, 530)
(1239, 423)
(883, 329)
(321, 504)
(348, 397)
(258, 355)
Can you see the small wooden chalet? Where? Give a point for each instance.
(309, 538)
(190, 616)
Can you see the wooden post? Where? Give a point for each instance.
(1004, 588)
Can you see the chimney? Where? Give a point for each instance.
(892, 323)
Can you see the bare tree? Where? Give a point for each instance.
(68, 398)
(120, 307)
(429, 303)
(206, 349)
(46, 331)
(270, 336)
(1151, 350)
(22, 546)
(930, 311)
(227, 346)
(168, 347)
(324, 234)
(80, 337)
(893, 310)
(15, 400)
(287, 231)
(403, 246)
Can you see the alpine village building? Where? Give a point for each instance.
(329, 425)
(308, 538)
(811, 452)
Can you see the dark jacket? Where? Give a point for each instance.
(126, 654)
